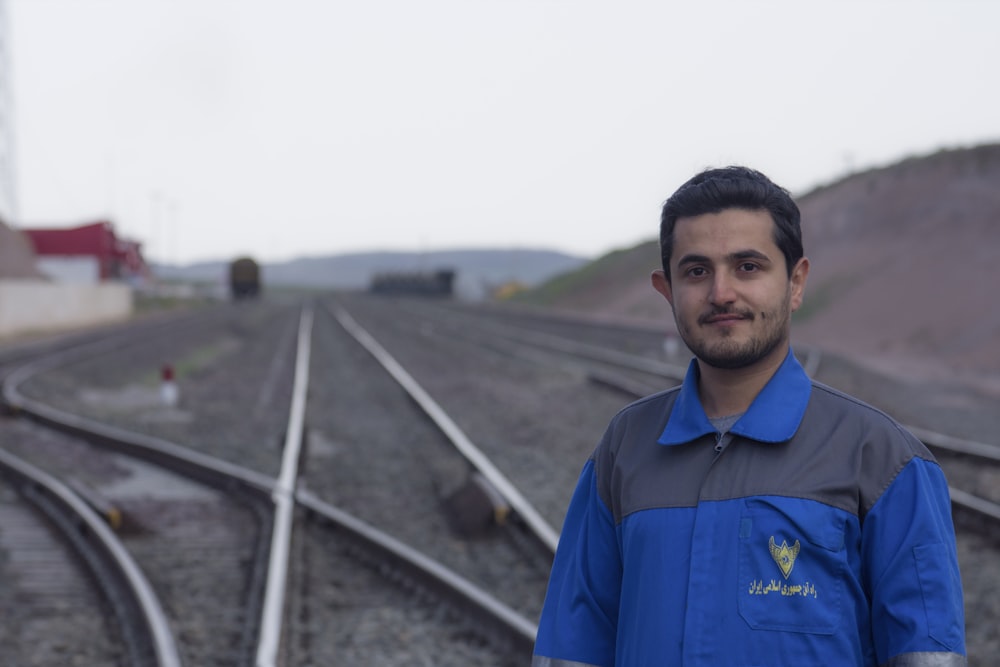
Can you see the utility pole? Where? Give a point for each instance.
(8, 181)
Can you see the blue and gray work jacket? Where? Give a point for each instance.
(818, 531)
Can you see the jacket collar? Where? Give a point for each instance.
(773, 416)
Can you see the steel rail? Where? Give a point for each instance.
(459, 591)
(964, 501)
(156, 450)
(558, 343)
(810, 363)
(43, 357)
(153, 617)
(283, 496)
(978, 506)
(464, 595)
(162, 452)
(518, 503)
(979, 450)
(44, 344)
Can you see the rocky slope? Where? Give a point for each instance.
(905, 270)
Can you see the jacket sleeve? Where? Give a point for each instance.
(579, 620)
(911, 566)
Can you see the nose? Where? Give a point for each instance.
(723, 289)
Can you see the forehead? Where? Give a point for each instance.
(725, 232)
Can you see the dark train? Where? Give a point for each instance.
(244, 278)
(439, 283)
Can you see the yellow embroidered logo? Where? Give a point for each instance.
(784, 555)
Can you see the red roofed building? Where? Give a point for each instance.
(90, 253)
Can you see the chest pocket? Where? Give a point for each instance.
(792, 566)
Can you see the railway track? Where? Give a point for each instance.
(379, 477)
(976, 500)
(581, 347)
(486, 627)
(57, 548)
(192, 527)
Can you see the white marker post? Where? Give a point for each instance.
(169, 393)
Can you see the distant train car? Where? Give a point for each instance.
(244, 278)
(439, 283)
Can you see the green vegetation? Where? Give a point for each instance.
(204, 356)
(566, 283)
(153, 303)
(194, 361)
(617, 268)
(818, 298)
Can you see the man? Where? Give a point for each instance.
(751, 516)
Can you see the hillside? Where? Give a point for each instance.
(477, 271)
(905, 270)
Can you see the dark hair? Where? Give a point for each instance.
(715, 190)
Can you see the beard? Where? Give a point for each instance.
(769, 329)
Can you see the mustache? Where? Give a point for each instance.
(716, 312)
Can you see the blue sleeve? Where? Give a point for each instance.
(579, 620)
(911, 566)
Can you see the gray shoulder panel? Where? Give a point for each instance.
(875, 447)
(845, 454)
(927, 660)
(541, 661)
(629, 444)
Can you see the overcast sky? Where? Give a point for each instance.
(211, 128)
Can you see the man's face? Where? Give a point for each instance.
(730, 292)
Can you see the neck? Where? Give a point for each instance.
(726, 391)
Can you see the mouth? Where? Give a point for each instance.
(724, 319)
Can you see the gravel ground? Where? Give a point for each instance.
(358, 617)
(537, 420)
(51, 614)
(196, 545)
(541, 436)
(192, 543)
(373, 453)
(233, 394)
(233, 372)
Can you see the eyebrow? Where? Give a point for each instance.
(732, 257)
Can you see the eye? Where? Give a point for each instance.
(696, 272)
(749, 267)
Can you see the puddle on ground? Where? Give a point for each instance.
(144, 480)
(321, 446)
(147, 403)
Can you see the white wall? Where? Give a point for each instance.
(76, 269)
(37, 306)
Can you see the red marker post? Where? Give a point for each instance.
(169, 393)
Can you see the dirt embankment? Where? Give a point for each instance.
(905, 267)
(905, 270)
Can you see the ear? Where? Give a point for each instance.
(798, 282)
(662, 285)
